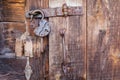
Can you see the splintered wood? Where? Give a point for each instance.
(33, 47)
(19, 47)
(38, 46)
(28, 48)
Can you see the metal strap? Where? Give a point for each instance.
(59, 12)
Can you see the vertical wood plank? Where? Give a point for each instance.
(11, 23)
(103, 39)
(1, 9)
(40, 61)
(75, 40)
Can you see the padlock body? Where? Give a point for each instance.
(43, 29)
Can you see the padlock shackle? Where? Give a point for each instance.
(40, 12)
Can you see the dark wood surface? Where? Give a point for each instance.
(12, 69)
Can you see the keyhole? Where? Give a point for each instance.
(46, 30)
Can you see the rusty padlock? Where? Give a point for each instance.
(44, 27)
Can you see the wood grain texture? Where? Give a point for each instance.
(75, 40)
(93, 43)
(10, 71)
(40, 60)
(103, 39)
(12, 10)
(9, 32)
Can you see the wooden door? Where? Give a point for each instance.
(92, 40)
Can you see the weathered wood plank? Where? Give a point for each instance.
(40, 62)
(12, 69)
(9, 31)
(12, 10)
(75, 39)
(36, 4)
(1, 9)
(15, 1)
(103, 39)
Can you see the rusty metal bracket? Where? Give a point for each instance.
(58, 12)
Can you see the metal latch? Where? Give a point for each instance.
(58, 11)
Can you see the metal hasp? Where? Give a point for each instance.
(65, 9)
(65, 65)
(59, 11)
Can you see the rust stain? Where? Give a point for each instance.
(114, 55)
